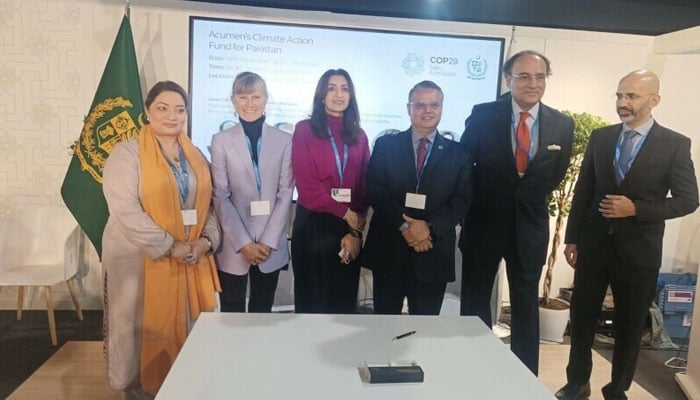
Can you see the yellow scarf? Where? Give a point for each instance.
(169, 287)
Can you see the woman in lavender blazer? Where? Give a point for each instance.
(253, 183)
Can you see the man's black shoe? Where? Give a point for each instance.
(574, 392)
(608, 394)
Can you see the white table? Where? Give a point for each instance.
(309, 357)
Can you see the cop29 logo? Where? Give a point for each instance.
(413, 64)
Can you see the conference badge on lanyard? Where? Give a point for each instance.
(189, 217)
(341, 194)
(258, 208)
(415, 200)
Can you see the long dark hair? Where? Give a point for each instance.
(351, 115)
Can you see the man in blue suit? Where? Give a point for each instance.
(521, 150)
(614, 233)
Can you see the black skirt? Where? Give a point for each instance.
(322, 283)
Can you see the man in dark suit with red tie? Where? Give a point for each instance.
(615, 230)
(419, 186)
(521, 150)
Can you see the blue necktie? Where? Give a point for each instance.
(626, 151)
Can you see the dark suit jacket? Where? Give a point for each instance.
(662, 164)
(446, 182)
(503, 201)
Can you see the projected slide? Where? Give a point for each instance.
(384, 65)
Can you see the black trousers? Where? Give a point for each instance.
(424, 298)
(633, 291)
(262, 290)
(478, 275)
(322, 283)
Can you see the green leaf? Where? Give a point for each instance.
(584, 124)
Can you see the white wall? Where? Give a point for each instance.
(53, 53)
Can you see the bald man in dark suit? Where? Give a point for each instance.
(615, 230)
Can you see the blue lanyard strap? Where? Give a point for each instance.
(182, 179)
(533, 134)
(425, 163)
(340, 168)
(255, 160)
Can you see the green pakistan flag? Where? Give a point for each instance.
(115, 116)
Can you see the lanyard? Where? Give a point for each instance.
(533, 135)
(425, 163)
(635, 149)
(182, 179)
(255, 160)
(340, 168)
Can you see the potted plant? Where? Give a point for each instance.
(554, 313)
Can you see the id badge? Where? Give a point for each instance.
(415, 200)
(341, 195)
(258, 208)
(189, 217)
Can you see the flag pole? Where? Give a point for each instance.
(510, 43)
(508, 54)
(127, 8)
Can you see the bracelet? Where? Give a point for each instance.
(355, 233)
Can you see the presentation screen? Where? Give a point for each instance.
(384, 65)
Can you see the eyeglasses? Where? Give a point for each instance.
(631, 96)
(435, 105)
(525, 78)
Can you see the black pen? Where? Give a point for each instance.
(403, 335)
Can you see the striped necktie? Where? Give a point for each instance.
(626, 151)
(421, 152)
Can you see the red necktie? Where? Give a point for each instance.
(421, 152)
(522, 148)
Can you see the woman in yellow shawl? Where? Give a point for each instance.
(159, 272)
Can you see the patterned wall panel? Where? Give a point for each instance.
(46, 86)
(43, 96)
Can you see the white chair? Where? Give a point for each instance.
(39, 249)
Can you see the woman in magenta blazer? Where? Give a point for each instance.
(329, 158)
